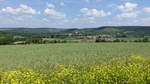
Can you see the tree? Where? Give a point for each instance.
(6, 40)
(117, 40)
(100, 40)
(146, 40)
(35, 40)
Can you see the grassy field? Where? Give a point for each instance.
(79, 63)
(84, 53)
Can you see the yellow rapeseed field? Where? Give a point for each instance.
(136, 70)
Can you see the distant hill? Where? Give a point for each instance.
(126, 31)
(131, 31)
(31, 31)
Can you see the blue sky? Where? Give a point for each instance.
(74, 13)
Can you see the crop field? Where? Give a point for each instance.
(75, 63)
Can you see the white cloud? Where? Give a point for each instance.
(128, 6)
(22, 9)
(128, 15)
(143, 21)
(93, 12)
(54, 14)
(89, 17)
(50, 5)
(62, 3)
(146, 9)
(9, 10)
(16, 21)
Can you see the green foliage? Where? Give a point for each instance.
(6, 40)
(110, 31)
(34, 40)
(121, 40)
(53, 41)
(146, 40)
(117, 40)
(101, 40)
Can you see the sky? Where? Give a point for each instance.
(74, 13)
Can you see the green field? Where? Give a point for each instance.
(80, 63)
(81, 53)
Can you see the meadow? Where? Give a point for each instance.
(75, 63)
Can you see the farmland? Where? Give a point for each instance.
(75, 63)
(74, 41)
(82, 63)
(80, 53)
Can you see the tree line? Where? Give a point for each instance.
(8, 40)
(121, 40)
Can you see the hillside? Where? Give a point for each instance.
(126, 31)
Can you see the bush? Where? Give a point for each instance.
(6, 40)
(53, 41)
(146, 40)
(117, 40)
(101, 40)
(34, 40)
